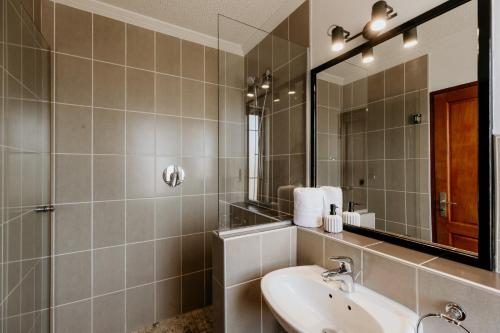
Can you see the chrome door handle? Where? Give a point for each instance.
(44, 209)
(443, 204)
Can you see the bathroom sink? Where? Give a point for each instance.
(302, 302)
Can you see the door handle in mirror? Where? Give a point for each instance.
(443, 204)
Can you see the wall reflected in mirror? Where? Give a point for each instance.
(399, 133)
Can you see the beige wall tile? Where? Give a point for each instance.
(73, 128)
(192, 137)
(211, 102)
(168, 217)
(140, 133)
(234, 70)
(109, 131)
(276, 250)
(109, 270)
(168, 54)
(109, 223)
(109, 313)
(242, 259)
(211, 65)
(168, 94)
(435, 291)
(73, 31)
(140, 47)
(244, 302)
(168, 258)
(192, 214)
(108, 175)
(109, 40)
(74, 317)
(140, 263)
(309, 248)
(73, 80)
(192, 98)
(192, 60)
(109, 86)
(72, 228)
(195, 182)
(218, 307)
(299, 19)
(218, 259)
(192, 253)
(140, 307)
(168, 135)
(193, 291)
(378, 271)
(394, 81)
(416, 74)
(140, 90)
(72, 178)
(140, 220)
(72, 270)
(168, 298)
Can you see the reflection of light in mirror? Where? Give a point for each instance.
(276, 100)
(337, 46)
(410, 38)
(291, 92)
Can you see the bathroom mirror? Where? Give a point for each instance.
(402, 124)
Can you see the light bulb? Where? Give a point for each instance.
(378, 24)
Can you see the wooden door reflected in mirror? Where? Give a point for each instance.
(454, 146)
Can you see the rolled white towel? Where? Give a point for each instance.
(308, 207)
(333, 195)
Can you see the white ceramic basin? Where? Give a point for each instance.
(302, 302)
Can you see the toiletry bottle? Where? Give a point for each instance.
(333, 222)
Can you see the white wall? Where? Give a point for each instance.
(496, 66)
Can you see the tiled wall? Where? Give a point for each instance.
(24, 173)
(373, 147)
(284, 52)
(240, 261)
(128, 102)
(419, 281)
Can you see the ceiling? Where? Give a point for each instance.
(196, 20)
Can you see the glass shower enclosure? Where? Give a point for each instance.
(262, 112)
(25, 173)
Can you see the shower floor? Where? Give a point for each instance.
(197, 321)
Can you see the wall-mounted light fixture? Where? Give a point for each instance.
(381, 13)
(251, 88)
(266, 80)
(410, 38)
(339, 37)
(367, 55)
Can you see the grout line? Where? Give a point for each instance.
(92, 182)
(155, 220)
(125, 183)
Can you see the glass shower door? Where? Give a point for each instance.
(25, 173)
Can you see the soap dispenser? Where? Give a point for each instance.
(333, 222)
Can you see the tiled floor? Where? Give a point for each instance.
(197, 321)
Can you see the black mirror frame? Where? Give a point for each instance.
(486, 228)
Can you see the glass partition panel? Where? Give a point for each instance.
(25, 172)
(262, 95)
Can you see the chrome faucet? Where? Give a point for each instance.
(344, 273)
